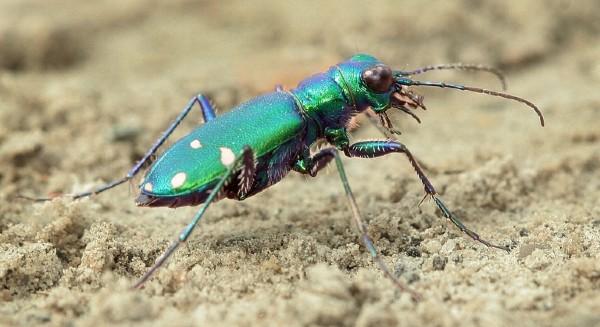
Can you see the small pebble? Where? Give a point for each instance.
(413, 252)
(439, 263)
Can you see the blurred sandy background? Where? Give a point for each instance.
(86, 87)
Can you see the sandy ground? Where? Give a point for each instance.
(86, 87)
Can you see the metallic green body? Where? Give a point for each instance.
(256, 144)
(279, 127)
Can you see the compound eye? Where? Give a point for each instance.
(378, 78)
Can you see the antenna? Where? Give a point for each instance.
(408, 82)
(457, 66)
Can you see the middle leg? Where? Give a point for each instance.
(311, 166)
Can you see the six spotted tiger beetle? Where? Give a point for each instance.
(253, 146)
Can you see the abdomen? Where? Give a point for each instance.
(270, 124)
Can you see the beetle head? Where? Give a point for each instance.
(369, 83)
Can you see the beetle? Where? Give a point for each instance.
(253, 146)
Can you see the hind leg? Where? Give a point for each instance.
(208, 113)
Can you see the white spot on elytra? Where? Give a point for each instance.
(148, 187)
(227, 156)
(178, 180)
(195, 144)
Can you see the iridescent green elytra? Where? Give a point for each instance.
(203, 155)
(256, 144)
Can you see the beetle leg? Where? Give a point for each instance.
(208, 114)
(338, 137)
(187, 231)
(372, 149)
(375, 121)
(362, 228)
(311, 166)
(247, 174)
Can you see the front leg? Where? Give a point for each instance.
(372, 149)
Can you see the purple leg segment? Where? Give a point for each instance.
(372, 149)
